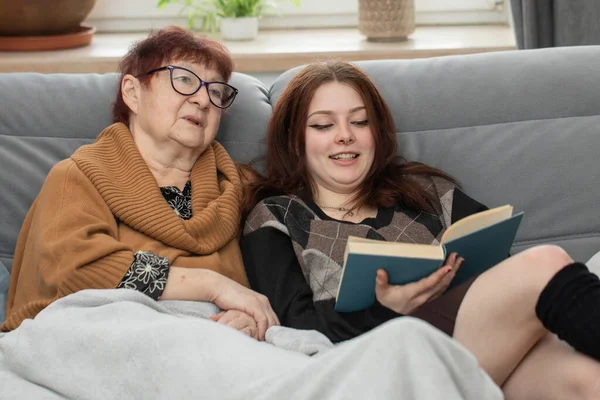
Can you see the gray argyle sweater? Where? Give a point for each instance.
(293, 253)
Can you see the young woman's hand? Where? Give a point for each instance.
(238, 320)
(230, 295)
(404, 299)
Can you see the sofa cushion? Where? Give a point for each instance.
(43, 119)
(243, 125)
(485, 88)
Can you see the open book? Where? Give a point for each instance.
(483, 240)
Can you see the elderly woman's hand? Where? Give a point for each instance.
(238, 320)
(230, 295)
(199, 284)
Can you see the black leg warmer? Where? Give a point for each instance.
(569, 306)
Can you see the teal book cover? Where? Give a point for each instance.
(482, 240)
(484, 248)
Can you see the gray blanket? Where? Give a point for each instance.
(119, 344)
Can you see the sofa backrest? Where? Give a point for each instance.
(516, 127)
(44, 118)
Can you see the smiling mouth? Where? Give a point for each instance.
(344, 156)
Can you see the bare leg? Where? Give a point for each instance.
(553, 370)
(496, 320)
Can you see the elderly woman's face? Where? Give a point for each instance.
(168, 116)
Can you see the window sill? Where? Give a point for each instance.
(277, 50)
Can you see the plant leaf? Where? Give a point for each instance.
(163, 3)
(211, 10)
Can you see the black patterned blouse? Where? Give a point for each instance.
(148, 272)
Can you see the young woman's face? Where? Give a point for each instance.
(339, 142)
(170, 118)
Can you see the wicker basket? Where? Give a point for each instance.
(386, 20)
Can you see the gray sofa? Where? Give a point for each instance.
(519, 127)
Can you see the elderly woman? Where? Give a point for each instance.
(154, 203)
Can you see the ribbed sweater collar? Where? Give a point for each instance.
(116, 168)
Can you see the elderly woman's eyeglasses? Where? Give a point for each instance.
(187, 83)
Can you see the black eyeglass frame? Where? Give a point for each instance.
(202, 83)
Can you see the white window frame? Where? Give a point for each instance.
(142, 15)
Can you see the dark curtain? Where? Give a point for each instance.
(553, 23)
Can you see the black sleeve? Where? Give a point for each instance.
(463, 206)
(148, 274)
(274, 271)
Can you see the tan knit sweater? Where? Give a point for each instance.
(97, 208)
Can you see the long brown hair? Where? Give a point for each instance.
(166, 45)
(389, 179)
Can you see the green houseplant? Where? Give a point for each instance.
(226, 13)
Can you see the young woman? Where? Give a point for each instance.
(333, 171)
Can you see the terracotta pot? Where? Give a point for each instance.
(42, 17)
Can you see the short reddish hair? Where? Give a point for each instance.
(387, 182)
(164, 46)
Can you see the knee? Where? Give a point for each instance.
(547, 259)
(410, 329)
(538, 265)
(408, 326)
(583, 382)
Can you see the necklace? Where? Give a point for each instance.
(341, 209)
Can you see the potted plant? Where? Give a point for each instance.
(237, 19)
